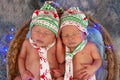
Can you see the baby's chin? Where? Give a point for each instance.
(71, 45)
(41, 45)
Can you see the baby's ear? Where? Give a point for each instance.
(84, 33)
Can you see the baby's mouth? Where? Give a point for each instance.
(40, 41)
(71, 43)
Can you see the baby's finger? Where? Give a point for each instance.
(86, 76)
(82, 75)
(31, 75)
(55, 70)
(57, 73)
(82, 71)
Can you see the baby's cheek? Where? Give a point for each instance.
(48, 41)
(65, 42)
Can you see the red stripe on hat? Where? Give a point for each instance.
(85, 18)
(46, 12)
(37, 12)
(55, 15)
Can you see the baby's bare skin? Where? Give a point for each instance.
(28, 61)
(85, 62)
(32, 59)
(85, 57)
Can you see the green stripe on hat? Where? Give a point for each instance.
(42, 15)
(50, 21)
(75, 19)
(43, 25)
(47, 7)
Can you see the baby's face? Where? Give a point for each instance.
(42, 36)
(72, 36)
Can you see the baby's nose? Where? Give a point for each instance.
(70, 37)
(41, 35)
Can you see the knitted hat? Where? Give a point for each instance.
(74, 16)
(46, 17)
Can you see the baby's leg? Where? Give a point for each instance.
(17, 78)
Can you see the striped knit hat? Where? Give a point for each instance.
(74, 16)
(46, 17)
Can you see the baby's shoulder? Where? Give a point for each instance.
(26, 42)
(91, 44)
(53, 48)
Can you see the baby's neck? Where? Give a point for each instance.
(71, 49)
(43, 46)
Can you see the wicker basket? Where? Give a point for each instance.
(16, 43)
(14, 49)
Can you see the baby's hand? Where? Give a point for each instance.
(57, 73)
(86, 72)
(27, 75)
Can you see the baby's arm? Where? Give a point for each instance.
(60, 53)
(97, 60)
(21, 62)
